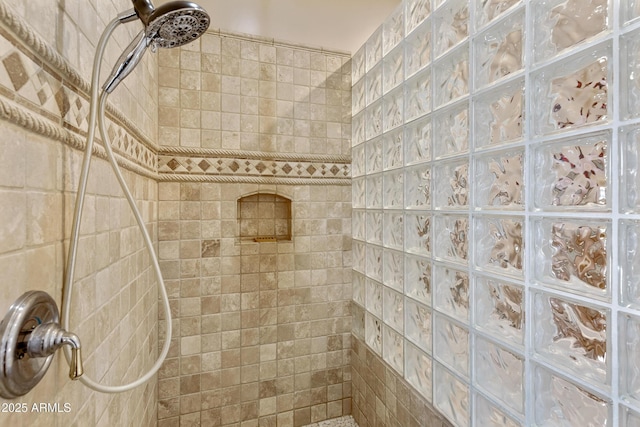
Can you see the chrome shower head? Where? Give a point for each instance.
(172, 24)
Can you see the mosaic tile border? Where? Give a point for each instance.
(21, 117)
(42, 93)
(255, 167)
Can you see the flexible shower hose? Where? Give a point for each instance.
(97, 108)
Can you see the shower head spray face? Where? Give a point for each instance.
(171, 25)
(177, 23)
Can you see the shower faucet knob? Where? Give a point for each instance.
(29, 336)
(45, 339)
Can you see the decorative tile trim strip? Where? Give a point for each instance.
(234, 166)
(257, 155)
(267, 180)
(72, 105)
(34, 123)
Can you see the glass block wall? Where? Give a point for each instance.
(496, 220)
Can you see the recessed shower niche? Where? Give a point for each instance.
(264, 217)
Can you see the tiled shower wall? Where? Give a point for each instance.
(262, 329)
(46, 51)
(495, 213)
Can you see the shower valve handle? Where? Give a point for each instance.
(45, 339)
(30, 334)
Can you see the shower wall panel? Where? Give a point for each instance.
(519, 175)
(262, 328)
(46, 51)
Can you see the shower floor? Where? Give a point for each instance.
(347, 421)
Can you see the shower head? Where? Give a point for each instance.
(172, 24)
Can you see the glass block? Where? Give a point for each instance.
(418, 187)
(500, 309)
(419, 371)
(358, 224)
(630, 10)
(499, 115)
(629, 142)
(629, 417)
(374, 84)
(451, 76)
(573, 92)
(393, 69)
(415, 12)
(358, 192)
(451, 23)
(573, 335)
(629, 365)
(418, 327)
(492, 9)
(393, 269)
(393, 309)
(393, 229)
(499, 180)
(451, 345)
(358, 252)
(374, 191)
(393, 30)
(374, 264)
(501, 48)
(359, 289)
(393, 109)
(579, 177)
(417, 95)
(373, 333)
(357, 325)
(358, 160)
(452, 189)
(451, 238)
(358, 96)
(451, 396)
(373, 120)
(393, 349)
(417, 236)
(486, 414)
(451, 130)
(392, 146)
(452, 292)
(374, 226)
(374, 48)
(500, 245)
(500, 373)
(629, 238)
(418, 49)
(629, 73)
(573, 255)
(358, 64)
(358, 128)
(561, 24)
(417, 141)
(417, 284)
(392, 182)
(373, 152)
(373, 296)
(559, 402)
